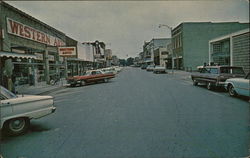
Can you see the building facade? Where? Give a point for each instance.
(108, 57)
(232, 49)
(150, 47)
(28, 49)
(190, 41)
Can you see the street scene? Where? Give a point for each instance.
(124, 79)
(118, 119)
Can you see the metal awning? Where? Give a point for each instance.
(74, 59)
(17, 55)
(77, 59)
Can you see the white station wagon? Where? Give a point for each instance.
(17, 111)
(238, 86)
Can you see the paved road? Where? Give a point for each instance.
(137, 115)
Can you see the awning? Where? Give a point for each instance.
(74, 59)
(77, 59)
(17, 55)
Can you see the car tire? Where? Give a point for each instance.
(209, 86)
(16, 126)
(72, 85)
(82, 83)
(231, 91)
(106, 80)
(195, 83)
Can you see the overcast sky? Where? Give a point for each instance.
(124, 26)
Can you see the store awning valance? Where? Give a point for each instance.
(74, 59)
(17, 55)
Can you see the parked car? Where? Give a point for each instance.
(144, 66)
(17, 110)
(117, 68)
(90, 76)
(109, 70)
(215, 76)
(238, 86)
(150, 67)
(159, 69)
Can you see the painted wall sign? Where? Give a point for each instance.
(24, 31)
(67, 51)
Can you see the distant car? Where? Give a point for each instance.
(118, 68)
(109, 70)
(150, 68)
(144, 66)
(90, 76)
(159, 69)
(17, 111)
(238, 86)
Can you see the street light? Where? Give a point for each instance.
(170, 28)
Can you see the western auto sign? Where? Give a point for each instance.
(67, 51)
(24, 31)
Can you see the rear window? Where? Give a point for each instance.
(214, 71)
(234, 70)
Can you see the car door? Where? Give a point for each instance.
(243, 86)
(6, 109)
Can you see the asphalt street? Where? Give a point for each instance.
(137, 115)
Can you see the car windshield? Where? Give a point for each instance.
(232, 70)
(6, 93)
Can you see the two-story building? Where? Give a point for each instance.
(190, 41)
(231, 49)
(28, 48)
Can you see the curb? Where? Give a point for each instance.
(51, 90)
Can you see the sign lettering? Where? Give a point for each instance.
(21, 30)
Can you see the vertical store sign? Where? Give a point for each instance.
(24, 31)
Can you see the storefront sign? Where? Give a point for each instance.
(21, 30)
(67, 51)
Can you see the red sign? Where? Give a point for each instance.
(67, 51)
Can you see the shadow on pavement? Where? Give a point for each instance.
(90, 83)
(221, 90)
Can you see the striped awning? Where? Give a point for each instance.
(17, 55)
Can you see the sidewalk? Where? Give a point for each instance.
(41, 88)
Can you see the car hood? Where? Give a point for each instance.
(235, 79)
(28, 98)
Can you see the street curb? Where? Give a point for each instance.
(52, 90)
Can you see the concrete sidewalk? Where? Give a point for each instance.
(41, 88)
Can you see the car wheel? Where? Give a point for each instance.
(72, 85)
(195, 83)
(16, 126)
(231, 91)
(209, 86)
(82, 83)
(106, 80)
